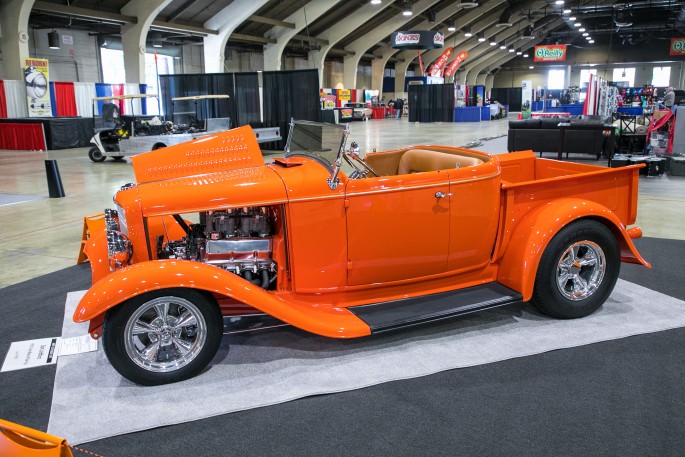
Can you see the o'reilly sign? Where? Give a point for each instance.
(677, 47)
(550, 53)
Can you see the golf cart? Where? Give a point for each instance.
(112, 129)
(154, 133)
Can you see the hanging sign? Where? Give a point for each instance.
(37, 88)
(677, 47)
(417, 39)
(550, 53)
(452, 67)
(437, 67)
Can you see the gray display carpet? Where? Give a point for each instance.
(13, 199)
(91, 401)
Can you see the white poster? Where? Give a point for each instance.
(45, 351)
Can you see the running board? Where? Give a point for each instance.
(382, 317)
(250, 323)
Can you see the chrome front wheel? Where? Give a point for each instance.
(163, 336)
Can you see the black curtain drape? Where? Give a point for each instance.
(290, 94)
(431, 103)
(199, 84)
(508, 96)
(247, 99)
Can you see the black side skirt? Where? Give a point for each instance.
(396, 314)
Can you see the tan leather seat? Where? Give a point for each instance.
(422, 160)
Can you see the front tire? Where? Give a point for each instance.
(96, 155)
(577, 271)
(163, 336)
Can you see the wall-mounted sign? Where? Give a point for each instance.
(36, 78)
(677, 47)
(550, 53)
(417, 39)
(67, 39)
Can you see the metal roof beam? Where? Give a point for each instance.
(75, 11)
(269, 21)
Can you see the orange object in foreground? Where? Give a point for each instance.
(19, 441)
(340, 246)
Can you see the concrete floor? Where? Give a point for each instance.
(41, 236)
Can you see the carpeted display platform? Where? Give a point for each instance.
(279, 365)
(623, 397)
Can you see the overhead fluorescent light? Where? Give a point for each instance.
(577, 24)
(585, 34)
(567, 11)
(467, 32)
(375, 2)
(582, 29)
(406, 9)
(502, 46)
(531, 67)
(525, 55)
(481, 36)
(452, 26)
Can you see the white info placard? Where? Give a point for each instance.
(45, 351)
(31, 353)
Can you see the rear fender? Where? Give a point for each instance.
(129, 282)
(528, 242)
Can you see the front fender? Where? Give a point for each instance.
(117, 287)
(528, 242)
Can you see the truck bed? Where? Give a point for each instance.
(528, 181)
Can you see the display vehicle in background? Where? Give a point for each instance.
(341, 246)
(360, 111)
(119, 136)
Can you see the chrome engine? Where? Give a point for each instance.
(238, 240)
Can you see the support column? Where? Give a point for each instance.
(401, 75)
(225, 22)
(134, 36)
(14, 44)
(378, 69)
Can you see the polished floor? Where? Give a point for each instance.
(43, 235)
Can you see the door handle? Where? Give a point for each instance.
(442, 195)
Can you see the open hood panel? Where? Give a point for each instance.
(225, 151)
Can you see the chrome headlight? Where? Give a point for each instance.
(119, 249)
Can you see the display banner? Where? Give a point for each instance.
(417, 39)
(550, 53)
(328, 101)
(437, 68)
(37, 80)
(526, 98)
(677, 47)
(452, 67)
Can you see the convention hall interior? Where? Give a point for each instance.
(323, 227)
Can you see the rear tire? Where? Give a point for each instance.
(158, 146)
(577, 271)
(95, 155)
(164, 336)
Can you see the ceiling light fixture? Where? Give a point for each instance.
(468, 5)
(582, 29)
(493, 41)
(525, 56)
(591, 41)
(452, 26)
(467, 32)
(572, 18)
(559, 2)
(502, 46)
(53, 39)
(406, 9)
(588, 38)
(156, 44)
(567, 11)
(512, 50)
(531, 67)
(586, 34)
(375, 2)
(481, 36)
(518, 52)
(577, 24)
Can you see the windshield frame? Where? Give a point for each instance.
(334, 167)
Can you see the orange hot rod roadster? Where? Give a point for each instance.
(342, 246)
